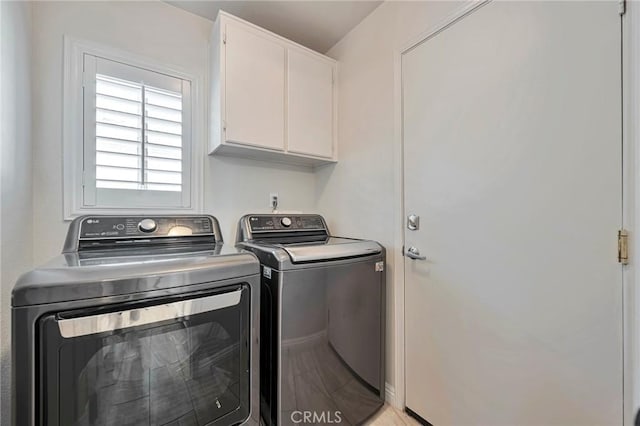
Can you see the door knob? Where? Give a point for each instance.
(414, 253)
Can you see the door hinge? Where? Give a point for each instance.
(623, 246)
(224, 38)
(224, 125)
(622, 7)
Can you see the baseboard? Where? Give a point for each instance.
(390, 395)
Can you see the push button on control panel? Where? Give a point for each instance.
(147, 225)
(286, 222)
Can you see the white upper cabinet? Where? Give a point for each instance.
(271, 99)
(254, 88)
(310, 104)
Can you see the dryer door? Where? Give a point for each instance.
(182, 359)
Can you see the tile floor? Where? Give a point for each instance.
(389, 416)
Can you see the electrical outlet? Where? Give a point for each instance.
(273, 201)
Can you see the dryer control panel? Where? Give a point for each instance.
(105, 232)
(137, 226)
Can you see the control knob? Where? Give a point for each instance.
(286, 222)
(147, 225)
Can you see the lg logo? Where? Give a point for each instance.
(329, 417)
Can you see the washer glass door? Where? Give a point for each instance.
(179, 360)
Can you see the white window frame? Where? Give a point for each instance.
(73, 129)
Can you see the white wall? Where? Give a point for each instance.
(164, 33)
(16, 209)
(360, 194)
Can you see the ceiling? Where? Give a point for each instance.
(316, 24)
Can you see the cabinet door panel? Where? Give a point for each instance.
(254, 88)
(310, 105)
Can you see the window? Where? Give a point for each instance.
(130, 136)
(136, 136)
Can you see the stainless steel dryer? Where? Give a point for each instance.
(322, 320)
(141, 321)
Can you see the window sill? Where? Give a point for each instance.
(130, 211)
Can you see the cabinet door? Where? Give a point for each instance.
(254, 88)
(310, 105)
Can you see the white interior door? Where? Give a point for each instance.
(512, 156)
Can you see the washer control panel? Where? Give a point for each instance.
(267, 223)
(113, 227)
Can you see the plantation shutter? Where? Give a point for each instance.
(136, 137)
